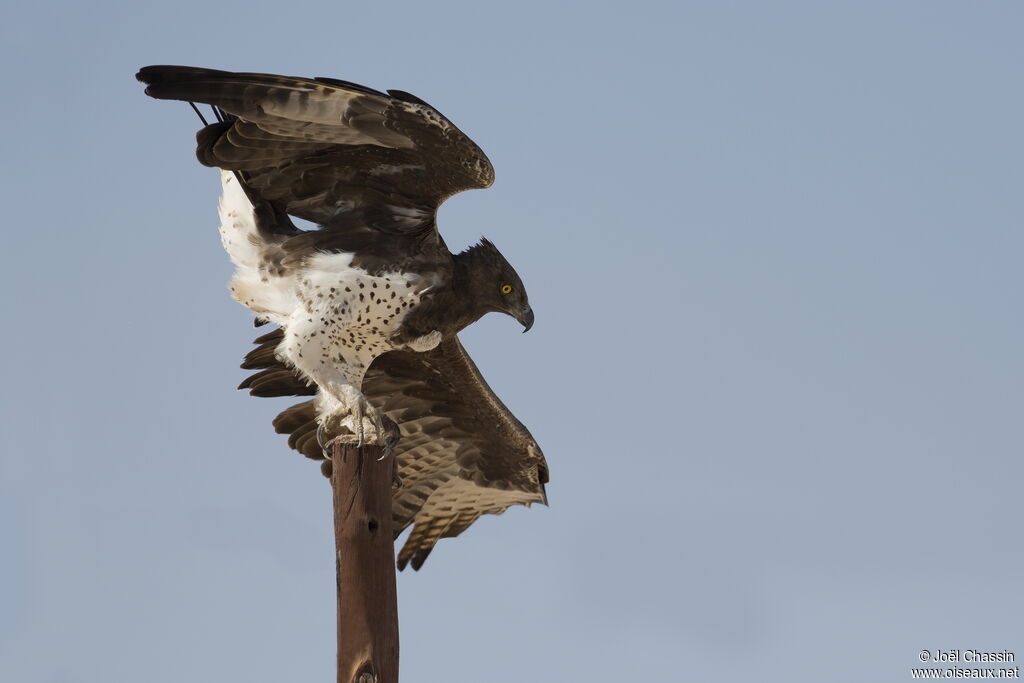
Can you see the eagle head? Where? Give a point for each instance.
(494, 283)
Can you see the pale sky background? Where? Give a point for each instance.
(774, 250)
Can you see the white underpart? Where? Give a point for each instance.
(270, 296)
(337, 318)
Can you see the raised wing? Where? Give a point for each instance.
(344, 156)
(462, 453)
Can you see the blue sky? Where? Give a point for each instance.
(774, 252)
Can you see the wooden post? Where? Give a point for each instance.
(367, 592)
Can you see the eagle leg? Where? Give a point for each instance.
(357, 416)
(337, 371)
(361, 409)
(386, 426)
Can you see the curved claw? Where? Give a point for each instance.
(359, 411)
(321, 436)
(391, 435)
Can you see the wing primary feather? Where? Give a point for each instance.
(221, 114)
(409, 97)
(349, 85)
(275, 335)
(198, 113)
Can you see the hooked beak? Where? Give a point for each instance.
(525, 319)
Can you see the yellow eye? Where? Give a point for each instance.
(505, 289)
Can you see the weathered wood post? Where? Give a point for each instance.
(367, 591)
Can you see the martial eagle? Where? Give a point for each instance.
(368, 306)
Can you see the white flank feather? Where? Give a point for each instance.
(271, 297)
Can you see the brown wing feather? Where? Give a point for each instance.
(347, 157)
(462, 453)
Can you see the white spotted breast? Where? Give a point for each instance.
(358, 312)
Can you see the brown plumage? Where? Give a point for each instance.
(462, 453)
(369, 305)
